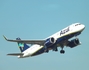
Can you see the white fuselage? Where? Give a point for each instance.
(74, 28)
(30, 51)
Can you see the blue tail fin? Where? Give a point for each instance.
(22, 46)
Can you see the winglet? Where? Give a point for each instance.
(5, 38)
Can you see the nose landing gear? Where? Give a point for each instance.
(62, 51)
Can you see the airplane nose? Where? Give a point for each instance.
(82, 27)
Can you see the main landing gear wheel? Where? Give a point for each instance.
(46, 51)
(55, 49)
(62, 51)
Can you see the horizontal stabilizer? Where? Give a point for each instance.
(15, 54)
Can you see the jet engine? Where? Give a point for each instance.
(74, 43)
(49, 42)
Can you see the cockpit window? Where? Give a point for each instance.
(77, 24)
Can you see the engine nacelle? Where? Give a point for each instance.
(49, 42)
(74, 43)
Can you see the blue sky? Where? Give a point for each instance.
(38, 19)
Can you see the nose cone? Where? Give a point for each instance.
(82, 27)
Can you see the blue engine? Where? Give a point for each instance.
(49, 42)
(74, 43)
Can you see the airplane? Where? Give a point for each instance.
(59, 39)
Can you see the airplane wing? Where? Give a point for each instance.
(27, 41)
(15, 54)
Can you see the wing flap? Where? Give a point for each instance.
(15, 54)
(26, 41)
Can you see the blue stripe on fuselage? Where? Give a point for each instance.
(59, 40)
(39, 52)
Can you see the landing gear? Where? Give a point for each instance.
(46, 50)
(55, 49)
(62, 51)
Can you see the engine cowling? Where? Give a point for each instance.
(49, 42)
(74, 43)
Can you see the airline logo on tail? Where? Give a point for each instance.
(22, 46)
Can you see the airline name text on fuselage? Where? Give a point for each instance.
(64, 31)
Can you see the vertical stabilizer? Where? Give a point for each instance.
(22, 46)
